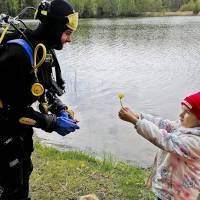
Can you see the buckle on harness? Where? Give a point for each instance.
(1, 104)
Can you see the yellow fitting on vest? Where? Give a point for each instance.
(27, 121)
(1, 103)
(45, 107)
(70, 111)
(37, 89)
(44, 12)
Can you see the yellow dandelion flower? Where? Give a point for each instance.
(121, 96)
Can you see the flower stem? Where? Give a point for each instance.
(121, 103)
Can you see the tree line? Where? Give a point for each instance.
(109, 8)
(13, 7)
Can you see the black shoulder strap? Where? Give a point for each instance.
(26, 47)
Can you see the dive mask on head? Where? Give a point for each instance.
(72, 21)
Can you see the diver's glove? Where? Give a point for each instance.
(65, 124)
(56, 106)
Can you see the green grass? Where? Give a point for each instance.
(68, 175)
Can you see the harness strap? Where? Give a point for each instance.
(26, 47)
(28, 50)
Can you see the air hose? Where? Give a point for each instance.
(37, 88)
(4, 32)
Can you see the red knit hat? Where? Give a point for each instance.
(192, 102)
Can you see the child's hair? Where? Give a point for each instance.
(89, 197)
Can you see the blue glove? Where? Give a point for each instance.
(65, 124)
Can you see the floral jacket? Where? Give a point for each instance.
(177, 167)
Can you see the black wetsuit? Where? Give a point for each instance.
(16, 143)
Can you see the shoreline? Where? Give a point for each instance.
(144, 14)
(167, 14)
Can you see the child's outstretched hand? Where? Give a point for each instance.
(128, 115)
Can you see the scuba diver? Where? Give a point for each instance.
(30, 73)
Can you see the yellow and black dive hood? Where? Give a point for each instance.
(58, 10)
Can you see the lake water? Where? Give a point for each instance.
(154, 61)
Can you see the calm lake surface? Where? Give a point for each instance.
(154, 61)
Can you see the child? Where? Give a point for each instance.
(177, 164)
